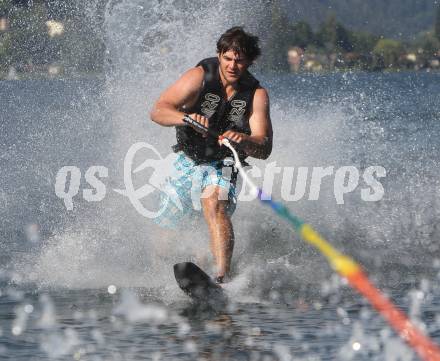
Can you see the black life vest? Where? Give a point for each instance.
(231, 114)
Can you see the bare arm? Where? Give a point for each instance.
(259, 143)
(167, 110)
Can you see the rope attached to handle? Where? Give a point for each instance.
(342, 264)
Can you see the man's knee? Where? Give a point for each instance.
(214, 207)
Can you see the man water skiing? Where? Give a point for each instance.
(223, 96)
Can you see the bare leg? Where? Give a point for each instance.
(220, 229)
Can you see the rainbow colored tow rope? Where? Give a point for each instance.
(344, 265)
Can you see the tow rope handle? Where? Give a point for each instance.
(345, 266)
(188, 120)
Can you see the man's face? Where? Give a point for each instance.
(232, 65)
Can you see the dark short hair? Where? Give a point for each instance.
(236, 39)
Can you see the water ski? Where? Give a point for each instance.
(197, 284)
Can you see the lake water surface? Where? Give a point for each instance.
(96, 282)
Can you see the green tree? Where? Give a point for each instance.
(386, 53)
(5, 51)
(277, 40)
(5, 37)
(333, 36)
(343, 41)
(81, 49)
(29, 37)
(302, 35)
(5, 6)
(430, 46)
(363, 42)
(326, 36)
(437, 23)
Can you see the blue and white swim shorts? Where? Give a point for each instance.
(184, 185)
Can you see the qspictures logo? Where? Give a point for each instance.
(162, 170)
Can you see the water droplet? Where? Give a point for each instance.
(48, 317)
(255, 331)
(17, 330)
(32, 232)
(317, 306)
(341, 312)
(190, 346)
(184, 329)
(135, 311)
(346, 321)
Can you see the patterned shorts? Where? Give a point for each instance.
(180, 196)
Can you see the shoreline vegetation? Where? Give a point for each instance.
(330, 46)
(37, 42)
(333, 47)
(33, 76)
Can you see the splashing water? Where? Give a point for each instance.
(319, 121)
(148, 46)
